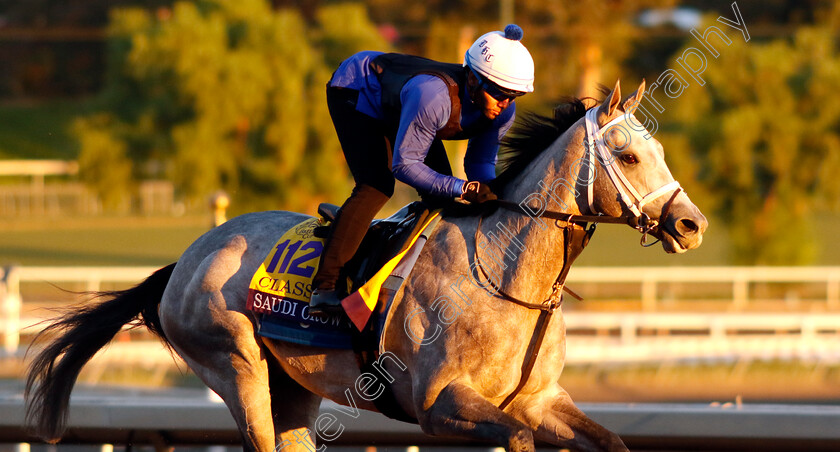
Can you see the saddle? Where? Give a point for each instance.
(384, 239)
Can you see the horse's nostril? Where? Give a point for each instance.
(686, 226)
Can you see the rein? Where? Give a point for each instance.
(629, 197)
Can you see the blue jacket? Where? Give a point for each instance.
(426, 108)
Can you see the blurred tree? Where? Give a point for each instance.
(344, 29)
(104, 166)
(586, 42)
(576, 45)
(53, 48)
(762, 137)
(220, 96)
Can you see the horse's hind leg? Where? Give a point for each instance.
(218, 342)
(295, 410)
(239, 375)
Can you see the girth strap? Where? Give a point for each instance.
(366, 348)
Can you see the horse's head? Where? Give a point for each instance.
(632, 178)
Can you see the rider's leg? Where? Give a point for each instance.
(368, 154)
(349, 229)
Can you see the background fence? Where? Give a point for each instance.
(35, 198)
(651, 333)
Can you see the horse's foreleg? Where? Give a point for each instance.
(461, 411)
(562, 423)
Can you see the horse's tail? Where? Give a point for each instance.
(81, 333)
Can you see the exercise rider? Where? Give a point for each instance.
(391, 112)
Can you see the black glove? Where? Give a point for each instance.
(476, 192)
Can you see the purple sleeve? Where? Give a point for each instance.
(425, 110)
(482, 150)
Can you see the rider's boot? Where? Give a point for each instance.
(350, 226)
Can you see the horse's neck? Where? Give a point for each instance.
(537, 243)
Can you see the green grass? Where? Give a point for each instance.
(826, 227)
(619, 246)
(40, 130)
(150, 241)
(120, 241)
(131, 241)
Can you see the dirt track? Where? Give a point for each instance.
(753, 382)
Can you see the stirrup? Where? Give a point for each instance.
(328, 211)
(324, 303)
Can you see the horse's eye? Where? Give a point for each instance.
(629, 159)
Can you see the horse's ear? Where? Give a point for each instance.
(608, 107)
(632, 101)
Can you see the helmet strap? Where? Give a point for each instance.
(473, 87)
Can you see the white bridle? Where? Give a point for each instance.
(630, 197)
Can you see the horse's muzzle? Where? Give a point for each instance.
(683, 228)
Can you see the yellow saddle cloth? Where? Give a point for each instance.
(282, 285)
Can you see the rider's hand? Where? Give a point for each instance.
(477, 192)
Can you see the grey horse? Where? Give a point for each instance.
(455, 347)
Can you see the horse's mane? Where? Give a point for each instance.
(532, 134)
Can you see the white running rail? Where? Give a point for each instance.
(593, 336)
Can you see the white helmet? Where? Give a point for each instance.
(502, 59)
